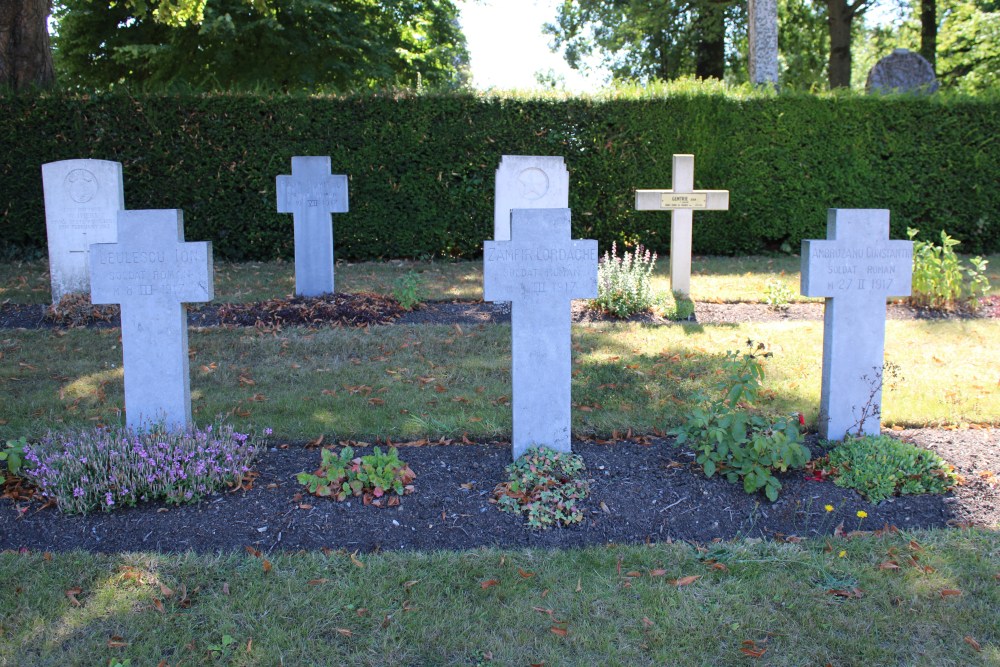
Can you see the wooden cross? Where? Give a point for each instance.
(682, 200)
(152, 272)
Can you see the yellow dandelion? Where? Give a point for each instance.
(828, 508)
(862, 514)
(841, 554)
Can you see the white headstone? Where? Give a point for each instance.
(311, 194)
(82, 200)
(762, 35)
(527, 181)
(856, 269)
(152, 272)
(681, 200)
(541, 270)
(902, 71)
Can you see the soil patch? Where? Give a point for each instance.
(652, 492)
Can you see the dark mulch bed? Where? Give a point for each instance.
(651, 492)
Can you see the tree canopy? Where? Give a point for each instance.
(273, 44)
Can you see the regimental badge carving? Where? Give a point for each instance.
(533, 183)
(81, 185)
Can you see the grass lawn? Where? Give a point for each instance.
(926, 598)
(835, 602)
(725, 279)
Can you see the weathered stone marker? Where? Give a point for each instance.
(311, 194)
(856, 269)
(152, 272)
(541, 270)
(682, 200)
(902, 71)
(82, 200)
(762, 35)
(527, 181)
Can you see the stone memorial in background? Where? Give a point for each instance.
(311, 194)
(902, 71)
(82, 200)
(762, 38)
(152, 272)
(527, 181)
(540, 270)
(855, 269)
(681, 200)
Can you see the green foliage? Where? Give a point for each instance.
(939, 278)
(422, 167)
(623, 283)
(777, 294)
(309, 45)
(879, 467)
(13, 454)
(733, 441)
(372, 477)
(546, 486)
(408, 290)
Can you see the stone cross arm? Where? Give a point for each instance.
(312, 186)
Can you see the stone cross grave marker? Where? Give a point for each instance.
(527, 181)
(856, 269)
(540, 270)
(682, 200)
(152, 272)
(311, 194)
(82, 200)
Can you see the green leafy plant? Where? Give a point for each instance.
(546, 486)
(731, 439)
(940, 280)
(879, 467)
(777, 294)
(224, 648)
(13, 454)
(379, 478)
(408, 290)
(623, 285)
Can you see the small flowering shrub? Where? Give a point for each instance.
(106, 468)
(940, 280)
(733, 440)
(370, 477)
(879, 467)
(623, 286)
(546, 486)
(777, 294)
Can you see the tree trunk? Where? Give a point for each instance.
(25, 56)
(928, 31)
(710, 53)
(839, 17)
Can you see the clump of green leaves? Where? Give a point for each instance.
(731, 439)
(878, 467)
(13, 454)
(547, 486)
(777, 294)
(940, 280)
(623, 283)
(379, 478)
(408, 290)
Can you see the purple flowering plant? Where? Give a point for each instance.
(111, 467)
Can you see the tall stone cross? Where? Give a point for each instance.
(152, 272)
(311, 194)
(856, 269)
(540, 270)
(682, 200)
(527, 181)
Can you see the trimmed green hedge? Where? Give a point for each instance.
(421, 167)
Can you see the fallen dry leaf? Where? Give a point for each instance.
(657, 573)
(525, 575)
(72, 593)
(317, 582)
(117, 641)
(973, 643)
(354, 559)
(685, 581)
(562, 632)
(489, 583)
(950, 592)
(345, 632)
(267, 566)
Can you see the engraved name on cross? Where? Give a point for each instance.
(311, 194)
(540, 270)
(681, 201)
(152, 272)
(856, 269)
